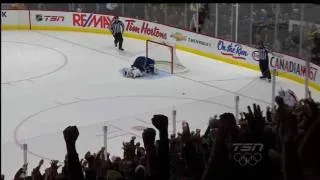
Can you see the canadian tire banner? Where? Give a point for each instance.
(14, 17)
(293, 65)
(288, 64)
(3, 14)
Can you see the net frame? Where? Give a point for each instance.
(172, 63)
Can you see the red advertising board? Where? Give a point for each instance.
(104, 21)
(145, 28)
(91, 20)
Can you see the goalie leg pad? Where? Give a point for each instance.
(131, 72)
(136, 73)
(126, 72)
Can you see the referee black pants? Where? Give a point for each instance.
(118, 39)
(264, 68)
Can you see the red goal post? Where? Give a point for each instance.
(171, 50)
(164, 53)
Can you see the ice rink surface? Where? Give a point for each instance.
(51, 80)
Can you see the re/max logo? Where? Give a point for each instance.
(92, 20)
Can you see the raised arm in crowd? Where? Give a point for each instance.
(278, 145)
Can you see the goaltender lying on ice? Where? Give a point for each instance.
(141, 66)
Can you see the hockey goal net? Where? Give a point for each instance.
(165, 56)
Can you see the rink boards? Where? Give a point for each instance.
(216, 49)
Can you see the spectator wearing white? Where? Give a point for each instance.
(196, 21)
(276, 45)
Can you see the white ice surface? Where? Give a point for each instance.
(51, 80)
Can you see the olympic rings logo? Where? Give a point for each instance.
(247, 153)
(247, 158)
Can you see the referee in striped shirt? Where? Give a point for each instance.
(117, 28)
(264, 61)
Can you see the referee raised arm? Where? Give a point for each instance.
(264, 61)
(117, 28)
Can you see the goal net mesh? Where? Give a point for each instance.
(165, 56)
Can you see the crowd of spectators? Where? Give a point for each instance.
(287, 40)
(280, 144)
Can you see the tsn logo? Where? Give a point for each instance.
(247, 147)
(39, 17)
(247, 154)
